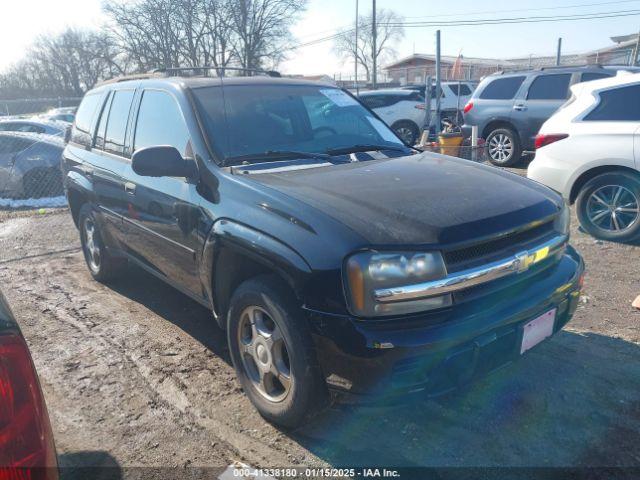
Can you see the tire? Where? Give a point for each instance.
(608, 206)
(261, 309)
(102, 265)
(407, 131)
(502, 147)
(42, 183)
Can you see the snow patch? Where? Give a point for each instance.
(60, 201)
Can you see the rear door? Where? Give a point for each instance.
(162, 213)
(495, 101)
(545, 94)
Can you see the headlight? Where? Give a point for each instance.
(369, 271)
(563, 220)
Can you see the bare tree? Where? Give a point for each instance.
(261, 29)
(389, 33)
(66, 64)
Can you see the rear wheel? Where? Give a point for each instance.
(407, 131)
(273, 353)
(503, 147)
(102, 265)
(608, 206)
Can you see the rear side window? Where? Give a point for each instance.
(160, 122)
(550, 87)
(620, 104)
(14, 145)
(502, 88)
(379, 101)
(588, 76)
(117, 124)
(84, 118)
(460, 89)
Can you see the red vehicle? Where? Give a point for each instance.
(27, 450)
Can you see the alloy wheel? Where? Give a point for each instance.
(265, 358)
(91, 246)
(613, 208)
(406, 134)
(500, 147)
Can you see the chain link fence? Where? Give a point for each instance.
(32, 135)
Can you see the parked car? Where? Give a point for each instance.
(588, 151)
(63, 114)
(510, 108)
(455, 95)
(340, 262)
(30, 165)
(34, 126)
(27, 448)
(402, 110)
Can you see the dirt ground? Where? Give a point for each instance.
(137, 374)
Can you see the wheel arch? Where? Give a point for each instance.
(234, 253)
(496, 124)
(591, 173)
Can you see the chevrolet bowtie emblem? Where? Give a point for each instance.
(525, 259)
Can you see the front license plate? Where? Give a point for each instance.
(537, 330)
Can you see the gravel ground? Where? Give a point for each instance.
(137, 374)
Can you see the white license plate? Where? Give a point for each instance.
(537, 330)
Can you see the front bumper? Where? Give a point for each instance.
(439, 351)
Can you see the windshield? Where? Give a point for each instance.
(253, 119)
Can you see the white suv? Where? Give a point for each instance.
(589, 151)
(402, 110)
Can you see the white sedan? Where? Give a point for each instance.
(589, 151)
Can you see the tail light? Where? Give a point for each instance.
(27, 451)
(543, 140)
(467, 108)
(421, 106)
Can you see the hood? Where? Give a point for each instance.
(418, 199)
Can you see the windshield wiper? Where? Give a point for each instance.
(275, 155)
(364, 148)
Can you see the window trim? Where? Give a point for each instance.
(106, 107)
(127, 125)
(134, 115)
(598, 97)
(535, 78)
(497, 79)
(93, 126)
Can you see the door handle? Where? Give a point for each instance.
(519, 107)
(130, 188)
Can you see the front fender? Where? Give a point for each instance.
(228, 237)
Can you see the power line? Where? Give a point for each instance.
(480, 22)
(517, 20)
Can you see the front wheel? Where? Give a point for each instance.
(503, 147)
(273, 353)
(608, 206)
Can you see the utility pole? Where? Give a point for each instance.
(438, 83)
(356, 51)
(559, 54)
(374, 42)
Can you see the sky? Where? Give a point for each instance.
(23, 20)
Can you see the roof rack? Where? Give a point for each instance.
(585, 65)
(204, 71)
(125, 78)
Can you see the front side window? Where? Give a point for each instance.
(117, 124)
(619, 104)
(502, 88)
(84, 119)
(550, 87)
(251, 119)
(160, 122)
(10, 144)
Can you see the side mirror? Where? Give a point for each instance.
(162, 161)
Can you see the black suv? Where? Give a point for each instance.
(341, 262)
(510, 108)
